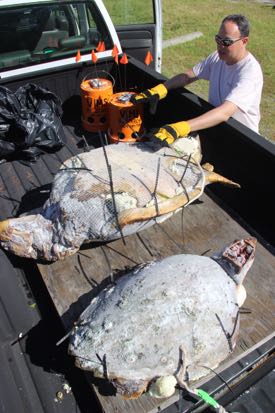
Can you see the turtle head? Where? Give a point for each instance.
(237, 258)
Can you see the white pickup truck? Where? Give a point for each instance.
(49, 43)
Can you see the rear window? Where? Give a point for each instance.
(127, 12)
(39, 33)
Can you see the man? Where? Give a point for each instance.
(235, 83)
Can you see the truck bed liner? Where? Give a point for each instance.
(33, 370)
(205, 228)
(202, 228)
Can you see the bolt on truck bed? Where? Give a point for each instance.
(220, 216)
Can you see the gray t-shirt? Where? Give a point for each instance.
(240, 83)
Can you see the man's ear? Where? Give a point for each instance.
(245, 40)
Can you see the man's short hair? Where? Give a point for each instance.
(241, 21)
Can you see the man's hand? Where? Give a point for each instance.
(152, 96)
(167, 134)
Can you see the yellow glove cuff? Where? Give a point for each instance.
(182, 128)
(160, 89)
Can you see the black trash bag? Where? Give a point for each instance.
(30, 122)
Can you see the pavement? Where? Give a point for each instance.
(181, 39)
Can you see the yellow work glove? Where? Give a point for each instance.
(167, 134)
(151, 96)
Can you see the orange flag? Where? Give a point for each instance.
(124, 59)
(94, 57)
(98, 46)
(115, 50)
(115, 53)
(78, 56)
(101, 47)
(148, 58)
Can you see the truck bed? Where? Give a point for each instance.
(201, 228)
(73, 283)
(218, 217)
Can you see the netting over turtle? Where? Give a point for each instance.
(105, 194)
(97, 188)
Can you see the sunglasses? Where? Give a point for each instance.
(226, 42)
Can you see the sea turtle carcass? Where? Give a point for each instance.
(133, 332)
(105, 194)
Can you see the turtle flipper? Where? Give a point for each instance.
(133, 215)
(212, 177)
(18, 235)
(27, 236)
(32, 236)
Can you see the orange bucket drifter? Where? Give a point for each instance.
(124, 118)
(95, 94)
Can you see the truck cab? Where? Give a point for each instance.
(37, 36)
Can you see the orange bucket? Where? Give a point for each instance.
(124, 118)
(95, 94)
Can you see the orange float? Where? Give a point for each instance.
(124, 118)
(95, 94)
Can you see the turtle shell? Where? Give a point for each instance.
(102, 195)
(106, 194)
(138, 325)
(99, 190)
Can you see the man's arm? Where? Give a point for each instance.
(213, 117)
(153, 95)
(169, 133)
(180, 80)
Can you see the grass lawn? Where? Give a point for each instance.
(182, 17)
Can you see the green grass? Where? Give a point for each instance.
(183, 17)
(130, 12)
